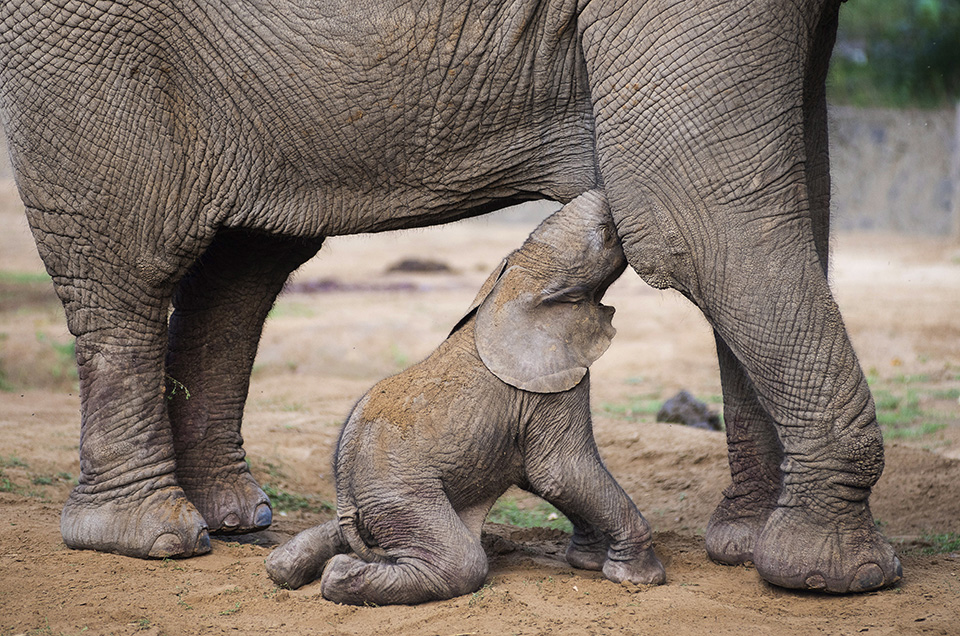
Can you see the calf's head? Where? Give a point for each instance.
(540, 323)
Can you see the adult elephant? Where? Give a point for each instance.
(200, 151)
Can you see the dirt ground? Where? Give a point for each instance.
(345, 323)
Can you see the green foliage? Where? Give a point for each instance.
(942, 543)
(65, 366)
(508, 511)
(4, 383)
(175, 387)
(12, 461)
(283, 501)
(232, 610)
(897, 53)
(23, 278)
(6, 485)
(633, 410)
(900, 411)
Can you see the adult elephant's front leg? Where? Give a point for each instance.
(704, 145)
(219, 312)
(127, 500)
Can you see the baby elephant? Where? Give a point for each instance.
(503, 401)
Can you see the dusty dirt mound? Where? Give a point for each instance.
(321, 351)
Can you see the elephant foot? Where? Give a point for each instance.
(587, 550)
(301, 559)
(232, 502)
(585, 559)
(407, 581)
(644, 570)
(160, 525)
(734, 527)
(803, 549)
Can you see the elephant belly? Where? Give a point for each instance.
(353, 124)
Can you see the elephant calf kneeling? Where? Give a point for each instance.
(503, 401)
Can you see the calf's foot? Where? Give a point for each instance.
(301, 559)
(643, 570)
(587, 549)
(159, 524)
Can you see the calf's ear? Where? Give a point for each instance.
(539, 340)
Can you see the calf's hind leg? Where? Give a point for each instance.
(302, 559)
(432, 556)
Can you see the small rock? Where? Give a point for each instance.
(420, 266)
(685, 409)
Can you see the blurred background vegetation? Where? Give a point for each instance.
(897, 53)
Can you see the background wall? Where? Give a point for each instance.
(892, 169)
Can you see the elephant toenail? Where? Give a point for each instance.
(263, 516)
(231, 521)
(815, 582)
(203, 543)
(868, 577)
(166, 545)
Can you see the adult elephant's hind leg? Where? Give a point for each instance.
(720, 210)
(755, 454)
(220, 307)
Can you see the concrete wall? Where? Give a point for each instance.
(892, 170)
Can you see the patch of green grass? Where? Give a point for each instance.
(636, 408)
(6, 485)
(283, 501)
(232, 610)
(897, 410)
(543, 515)
(5, 384)
(273, 469)
(65, 365)
(946, 394)
(23, 278)
(913, 432)
(288, 309)
(12, 461)
(910, 379)
(400, 358)
(899, 406)
(942, 543)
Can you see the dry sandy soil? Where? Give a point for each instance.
(345, 323)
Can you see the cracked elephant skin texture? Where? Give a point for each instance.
(191, 155)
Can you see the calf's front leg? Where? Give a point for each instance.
(564, 467)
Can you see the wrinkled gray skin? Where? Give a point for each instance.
(197, 152)
(504, 401)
